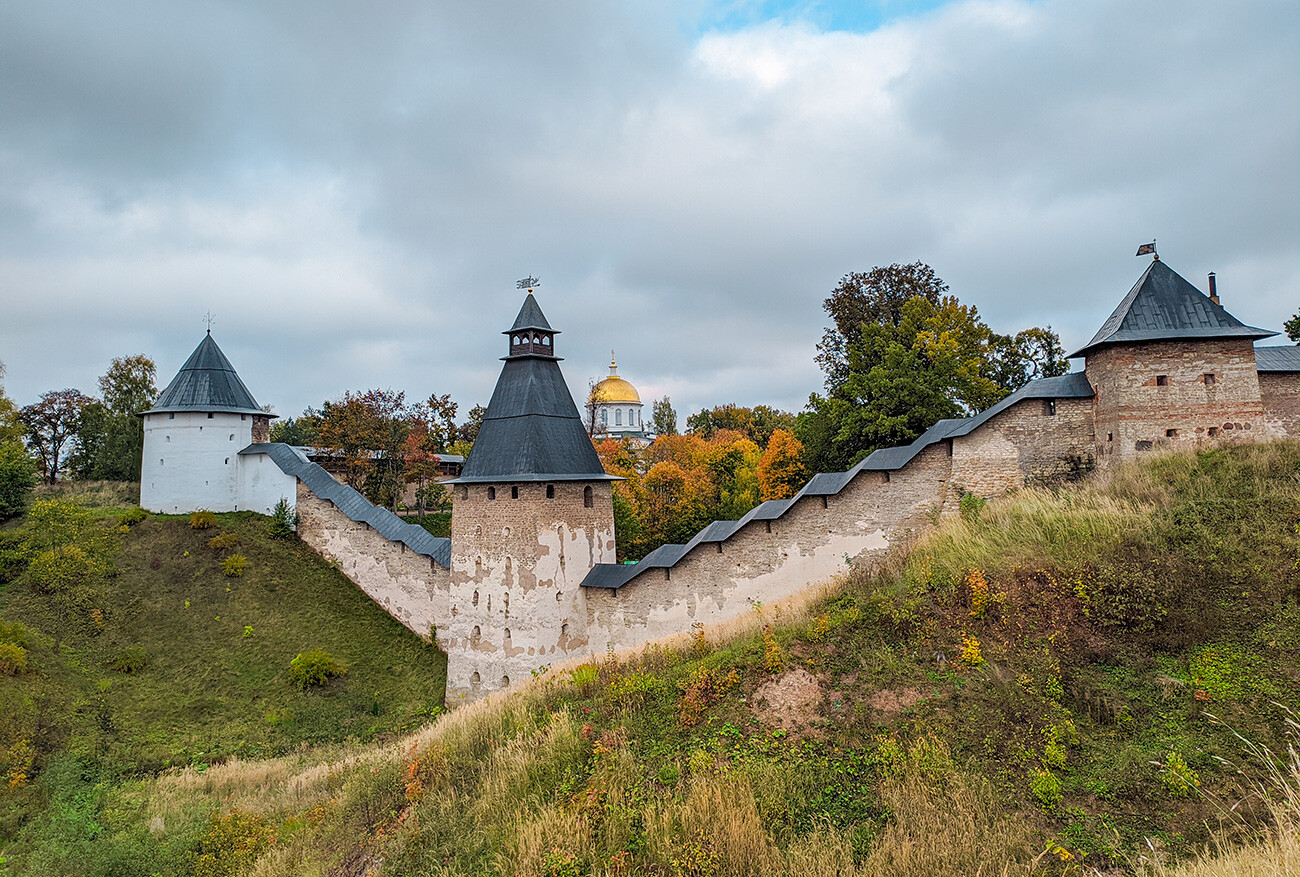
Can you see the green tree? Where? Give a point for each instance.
(49, 423)
(664, 417)
(862, 299)
(11, 428)
(110, 434)
(924, 359)
(17, 478)
(757, 423)
(1292, 327)
(302, 431)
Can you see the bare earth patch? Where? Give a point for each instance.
(889, 700)
(790, 702)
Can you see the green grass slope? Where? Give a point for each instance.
(1104, 677)
(155, 657)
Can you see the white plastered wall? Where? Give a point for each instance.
(191, 461)
(262, 484)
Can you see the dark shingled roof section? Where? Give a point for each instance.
(1278, 359)
(532, 431)
(357, 508)
(530, 317)
(207, 382)
(613, 575)
(1163, 306)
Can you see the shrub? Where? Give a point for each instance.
(773, 656)
(971, 506)
(1046, 788)
(131, 517)
(202, 520)
(13, 659)
(232, 843)
(1178, 779)
(971, 655)
(131, 659)
(60, 569)
(284, 521)
(233, 566)
(13, 632)
(314, 667)
(224, 542)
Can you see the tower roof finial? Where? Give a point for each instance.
(528, 283)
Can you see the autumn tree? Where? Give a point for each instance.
(365, 433)
(663, 417)
(432, 428)
(909, 363)
(1292, 327)
(110, 434)
(49, 423)
(781, 471)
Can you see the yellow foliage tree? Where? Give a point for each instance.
(781, 471)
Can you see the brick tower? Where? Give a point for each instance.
(532, 513)
(1170, 366)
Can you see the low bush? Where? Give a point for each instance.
(314, 667)
(132, 659)
(233, 566)
(224, 542)
(60, 570)
(203, 520)
(131, 517)
(13, 659)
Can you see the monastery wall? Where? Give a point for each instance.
(1155, 393)
(411, 587)
(1280, 392)
(769, 561)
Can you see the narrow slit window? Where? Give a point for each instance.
(1171, 433)
(550, 491)
(587, 497)
(1209, 379)
(514, 493)
(1049, 407)
(1162, 380)
(492, 493)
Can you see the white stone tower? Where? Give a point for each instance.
(193, 435)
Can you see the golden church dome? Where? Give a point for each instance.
(614, 388)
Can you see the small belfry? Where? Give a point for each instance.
(532, 514)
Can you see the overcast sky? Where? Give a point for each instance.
(352, 189)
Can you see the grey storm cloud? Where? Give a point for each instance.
(352, 190)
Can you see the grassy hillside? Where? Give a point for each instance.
(1102, 677)
(148, 656)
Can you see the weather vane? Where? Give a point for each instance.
(209, 319)
(528, 283)
(1149, 250)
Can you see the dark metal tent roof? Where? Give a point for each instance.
(294, 462)
(1278, 359)
(531, 317)
(1163, 306)
(532, 430)
(207, 382)
(612, 575)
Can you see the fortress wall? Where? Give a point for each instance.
(516, 568)
(1026, 443)
(808, 544)
(1280, 392)
(409, 586)
(1135, 410)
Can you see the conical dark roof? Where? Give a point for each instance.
(1163, 306)
(207, 382)
(530, 317)
(532, 430)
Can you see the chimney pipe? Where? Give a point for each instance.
(1214, 290)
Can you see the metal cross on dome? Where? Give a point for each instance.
(528, 283)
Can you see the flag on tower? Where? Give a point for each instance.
(1146, 249)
